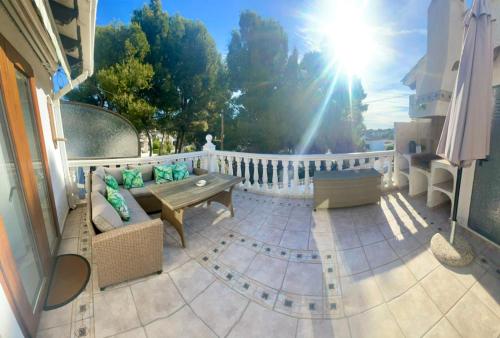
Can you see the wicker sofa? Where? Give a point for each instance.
(124, 250)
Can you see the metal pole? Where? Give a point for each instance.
(455, 205)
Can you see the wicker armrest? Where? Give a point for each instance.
(129, 252)
(199, 171)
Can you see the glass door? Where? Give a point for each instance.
(15, 217)
(24, 89)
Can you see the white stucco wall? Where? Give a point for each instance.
(43, 88)
(8, 323)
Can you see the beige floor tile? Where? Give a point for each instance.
(219, 307)
(379, 254)
(421, 262)
(56, 317)
(360, 292)
(323, 328)
(267, 270)
(468, 275)
(393, 279)
(55, 332)
(370, 235)
(134, 333)
(443, 329)
(237, 257)
(68, 246)
(270, 236)
(304, 279)
(275, 221)
(444, 289)
(404, 244)
(346, 239)
(299, 224)
(376, 322)
(173, 255)
(321, 241)
(352, 261)
(191, 279)
(488, 291)
(156, 297)
(259, 322)
(295, 240)
(114, 312)
(472, 318)
(182, 324)
(196, 244)
(415, 312)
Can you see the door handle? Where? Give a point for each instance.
(11, 193)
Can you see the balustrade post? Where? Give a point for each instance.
(209, 147)
(274, 164)
(390, 161)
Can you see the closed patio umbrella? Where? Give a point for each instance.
(467, 128)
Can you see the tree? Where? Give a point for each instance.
(189, 87)
(126, 82)
(286, 105)
(257, 56)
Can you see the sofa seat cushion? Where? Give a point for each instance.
(104, 216)
(142, 191)
(98, 184)
(137, 213)
(146, 171)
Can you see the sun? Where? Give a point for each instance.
(343, 29)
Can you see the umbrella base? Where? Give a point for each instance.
(457, 254)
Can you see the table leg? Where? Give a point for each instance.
(224, 198)
(175, 217)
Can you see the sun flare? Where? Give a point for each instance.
(343, 29)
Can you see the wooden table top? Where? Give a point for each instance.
(180, 194)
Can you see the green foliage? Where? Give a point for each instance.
(287, 105)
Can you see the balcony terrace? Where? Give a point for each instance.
(281, 269)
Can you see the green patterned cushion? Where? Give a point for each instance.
(118, 202)
(132, 178)
(111, 181)
(163, 173)
(180, 171)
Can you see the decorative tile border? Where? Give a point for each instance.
(327, 306)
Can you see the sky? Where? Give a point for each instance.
(397, 38)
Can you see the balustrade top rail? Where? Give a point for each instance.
(307, 157)
(135, 160)
(294, 177)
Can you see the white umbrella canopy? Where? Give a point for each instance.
(467, 128)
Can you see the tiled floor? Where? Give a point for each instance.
(278, 269)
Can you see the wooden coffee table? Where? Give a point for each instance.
(179, 195)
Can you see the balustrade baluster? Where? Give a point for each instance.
(285, 182)
(247, 172)
(274, 164)
(306, 178)
(265, 183)
(295, 182)
(352, 164)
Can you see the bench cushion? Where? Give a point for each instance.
(98, 184)
(104, 216)
(142, 191)
(137, 213)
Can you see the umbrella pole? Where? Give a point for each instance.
(455, 205)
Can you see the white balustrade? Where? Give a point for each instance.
(296, 181)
